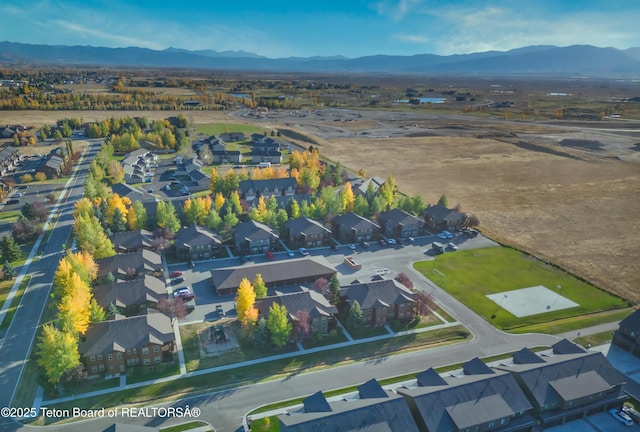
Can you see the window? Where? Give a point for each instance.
(147, 361)
(110, 357)
(118, 355)
(128, 352)
(92, 358)
(134, 350)
(112, 367)
(145, 350)
(156, 348)
(94, 369)
(99, 356)
(157, 359)
(101, 367)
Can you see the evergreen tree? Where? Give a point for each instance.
(443, 200)
(10, 249)
(259, 286)
(166, 216)
(141, 215)
(97, 312)
(118, 222)
(261, 334)
(8, 270)
(334, 290)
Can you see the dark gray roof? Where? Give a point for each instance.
(133, 193)
(129, 293)
(299, 268)
(254, 231)
(142, 261)
(468, 400)
(122, 334)
(371, 389)
(314, 302)
(632, 322)
(565, 346)
(388, 414)
(132, 240)
(196, 235)
(268, 184)
(304, 225)
(370, 294)
(430, 378)
(399, 217)
(354, 221)
(569, 375)
(475, 366)
(265, 151)
(439, 212)
(316, 403)
(526, 356)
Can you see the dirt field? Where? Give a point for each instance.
(580, 214)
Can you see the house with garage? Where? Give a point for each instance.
(477, 398)
(197, 243)
(353, 228)
(253, 237)
(139, 165)
(9, 156)
(53, 164)
(132, 241)
(439, 218)
(113, 346)
(372, 409)
(627, 336)
(232, 136)
(129, 266)
(266, 154)
(321, 312)
(381, 301)
(566, 383)
(398, 223)
(305, 232)
(297, 271)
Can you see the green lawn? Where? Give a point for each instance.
(472, 274)
(220, 128)
(9, 217)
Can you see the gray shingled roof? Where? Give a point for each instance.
(272, 272)
(130, 293)
(369, 294)
(142, 261)
(268, 184)
(430, 378)
(304, 225)
(254, 231)
(439, 212)
(399, 217)
(312, 301)
(354, 221)
(468, 400)
(632, 322)
(196, 235)
(132, 239)
(126, 333)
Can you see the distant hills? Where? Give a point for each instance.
(538, 60)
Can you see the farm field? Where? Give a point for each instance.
(471, 275)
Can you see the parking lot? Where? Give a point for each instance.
(601, 422)
(374, 258)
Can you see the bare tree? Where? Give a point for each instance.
(473, 221)
(404, 280)
(321, 285)
(424, 303)
(301, 325)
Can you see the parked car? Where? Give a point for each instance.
(290, 253)
(635, 415)
(364, 244)
(303, 251)
(174, 274)
(382, 242)
(177, 280)
(453, 246)
(270, 256)
(382, 271)
(411, 240)
(17, 194)
(167, 187)
(182, 290)
(391, 241)
(352, 246)
(621, 416)
(220, 311)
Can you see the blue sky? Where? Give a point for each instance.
(352, 28)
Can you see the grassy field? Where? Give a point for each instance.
(471, 275)
(219, 128)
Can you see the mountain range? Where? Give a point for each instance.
(538, 60)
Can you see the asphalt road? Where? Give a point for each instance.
(16, 344)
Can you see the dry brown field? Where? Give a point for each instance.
(579, 213)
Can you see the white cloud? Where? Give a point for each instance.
(396, 11)
(414, 39)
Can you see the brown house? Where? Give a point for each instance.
(132, 241)
(381, 301)
(132, 265)
(439, 218)
(321, 312)
(113, 346)
(351, 227)
(197, 243)
(131, 296)
(399, 223)
(305, 232)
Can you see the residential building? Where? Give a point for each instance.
(266, 154)
(297, 271)
(305, 232)
(131, 296)
(478, 399)
(374, 409)
(353, 228)
(197, 243)
(8, 158)
(53, 163)
(439, 218)
(321, 312)
(566, 383)
(139, 165)
(381, 301)
(132, 241)
(627, 336)
(398, 223)
(254, 237)
(251, 189)
(113, 346)
(129, 266)
(232, 136)
(264, 141)
(227, 156)
(360, 186)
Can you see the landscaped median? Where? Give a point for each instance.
(472, 275)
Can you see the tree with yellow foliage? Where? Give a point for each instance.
(114, 202)
(57, 352)
(132, 219)
(245, 300)
(219, 201)
(83, 207)
(259, 286)
(74, 309)
(348, 197)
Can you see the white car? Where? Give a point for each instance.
(303, 251)
(18, 194)
(622, 417)
(391, 241)
(453, 246)
(352, 246)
